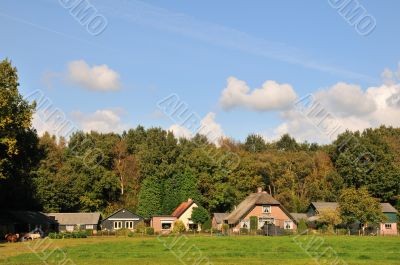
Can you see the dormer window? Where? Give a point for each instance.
(266, 209)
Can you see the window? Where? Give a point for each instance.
(166, 225)
(69, 228)
(288, 225)
(263, 221)
(266, 209)
(388, 226)
(245, 224)
(90, 227)
(117, 225)
(129, 224)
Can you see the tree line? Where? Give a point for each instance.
(150, 171)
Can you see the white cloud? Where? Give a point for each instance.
(105, 121)
(342, 107)
(180, 131)
(97, 77)
(271, 96)
(208, 127)
(346, 99)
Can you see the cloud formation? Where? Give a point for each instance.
(339, 108)
(97, 77)
(104, 120)
(271, 96)
(208, 127)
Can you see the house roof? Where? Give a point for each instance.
(220, 217)
(76, 218)
(299, 216)
(182, 208)
(27, 217)
(248, 203)
(388, 208)
(122, 209)
(320, 206)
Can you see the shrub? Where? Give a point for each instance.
(179, 227)
(149, 231)
(206, 226)
(130, 234)
(302, 226)
(253, 223)
(140, 227)
(244, 231)
(225, 228)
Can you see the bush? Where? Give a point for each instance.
(140, 227)
(302, 226)
(179, 227)
(215, 231)
(130, 234)
(253, 223)
(244, 231)
(206, 226)
(149, 231)
(225, 228)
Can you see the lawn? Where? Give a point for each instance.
(216, 250)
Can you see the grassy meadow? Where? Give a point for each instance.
(216, 250)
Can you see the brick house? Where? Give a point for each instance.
(165, 223)
(265, 208)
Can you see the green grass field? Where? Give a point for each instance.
(216, 250)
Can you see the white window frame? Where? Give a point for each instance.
(263, 220)
(89, 227)
(129, 224)
(290, 222)
(166, 222)
(266, 209)
(117, 225)
(245, 222)
(68, 228)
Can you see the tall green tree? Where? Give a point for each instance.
(19, 153)
(357, 205)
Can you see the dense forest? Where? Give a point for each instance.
(150, 171)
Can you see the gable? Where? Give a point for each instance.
(123, 214)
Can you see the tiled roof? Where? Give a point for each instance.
(182, 208)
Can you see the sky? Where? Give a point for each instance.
(220, 68)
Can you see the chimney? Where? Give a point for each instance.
(259, 190)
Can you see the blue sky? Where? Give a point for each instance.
(149, 50)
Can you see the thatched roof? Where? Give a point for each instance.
(259, 198)
(388, 208)
(321, 206)
(220, 217)
(299, 216)
(76, 218)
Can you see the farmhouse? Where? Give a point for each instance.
(218, 220)
(68, 222)
(387, 228)
(266, 209)
(165, 223)
(120, 219)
